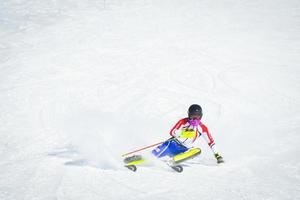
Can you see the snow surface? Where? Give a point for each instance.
(83, 81)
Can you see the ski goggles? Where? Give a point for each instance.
(195, 117)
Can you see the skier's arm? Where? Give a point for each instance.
(176, 130)
(207, 136)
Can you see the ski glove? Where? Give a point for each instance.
(219, 158)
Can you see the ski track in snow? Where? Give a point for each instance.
(75, 77)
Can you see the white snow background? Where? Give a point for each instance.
(83, 81)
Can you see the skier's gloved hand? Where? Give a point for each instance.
(177, 133)
(219, 158)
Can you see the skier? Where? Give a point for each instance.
(184, 134)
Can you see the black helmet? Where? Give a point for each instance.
(195, 110)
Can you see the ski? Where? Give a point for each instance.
(132, 162)
(177, 168)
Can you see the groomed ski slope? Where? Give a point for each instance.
(82, 82)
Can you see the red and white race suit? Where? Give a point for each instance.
(201, 130)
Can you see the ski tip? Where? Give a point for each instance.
(131, 167)
(177, 168)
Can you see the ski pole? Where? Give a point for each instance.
(142, 148)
